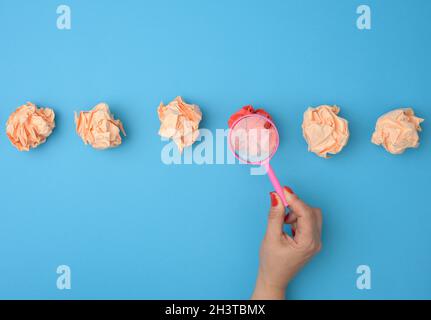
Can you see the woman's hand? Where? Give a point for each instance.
(282, 256)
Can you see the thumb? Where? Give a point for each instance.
(276, 216)
(296, 206)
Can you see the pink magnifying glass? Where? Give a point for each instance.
(254, 139)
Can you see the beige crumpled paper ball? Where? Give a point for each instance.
(397, 130)
(98, 127)
(29, 126)
(324, 131)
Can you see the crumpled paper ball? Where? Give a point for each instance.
(325, 132)
(244, 111)
(253, 138)
(179, 121)
(98, 127)
(397, 130)
(29, 126)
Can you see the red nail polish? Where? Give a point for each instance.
(293, 232)
(289, 190)
(274, 201)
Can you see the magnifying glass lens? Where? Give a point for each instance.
(253, 139)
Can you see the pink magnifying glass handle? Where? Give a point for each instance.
(275, 182)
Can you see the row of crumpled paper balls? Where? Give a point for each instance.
(30, 126)
(324, 131)
(327, 133)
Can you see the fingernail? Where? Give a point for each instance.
(293, 232)
(289, 190)
(274, 200)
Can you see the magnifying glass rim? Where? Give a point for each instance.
(254, 115)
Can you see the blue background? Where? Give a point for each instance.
(130, 226)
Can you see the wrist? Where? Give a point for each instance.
(264, 290)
